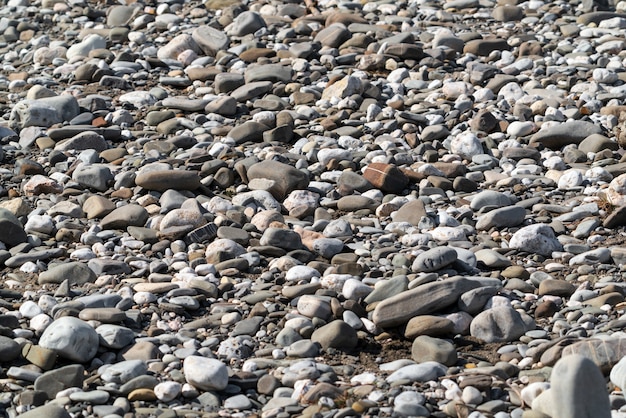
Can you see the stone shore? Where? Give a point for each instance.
(315, 209)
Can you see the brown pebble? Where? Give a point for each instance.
(142, 395)
(546, 309)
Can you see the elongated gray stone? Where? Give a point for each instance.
(44, 112)
(557, 136)
(489, 198)
(501, 217)
(47, 411)
(268, 72)
(425, 299)
(597, 17)
(251, 90)
(83, 141)
(64, 132)
(434, 259)
(76, 272)
(168, 179)
(388, 288)
(423, 372)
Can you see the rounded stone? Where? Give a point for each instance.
(205, 373)
(427, 348)
(71, 338)
(337, 334)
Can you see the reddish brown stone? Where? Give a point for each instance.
(99, 122)
(414, 176)
(546, 309)
(386, 177)
(451, 170)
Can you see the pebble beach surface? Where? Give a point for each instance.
(312, 209)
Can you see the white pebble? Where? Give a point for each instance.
(167, 391)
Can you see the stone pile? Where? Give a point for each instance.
(313, 209)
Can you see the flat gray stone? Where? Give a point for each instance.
(425, 299)
(54, 381)
(557, 136)
(427, 348)
(501, 218)
(76, 272)
(434, 259)
(387, 289)
(251, 90)
(424, 372)
(268, 72)
(489, 199)
(125, 216)
(47, 411)
(161, 180)
(249, 131)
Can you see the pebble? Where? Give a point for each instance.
(434, 259)
(427, 348)
(212, 206)
(337, 334)
(425, 299)
(576, 390)
(538, 238)
(205, 373)
(498, 324)
(71, 338)
(410, 404)
(48, 410)
(423, 372)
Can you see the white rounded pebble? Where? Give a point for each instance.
(30, 309)
(40, 322)
(471, 395)
(167, 391)
(570, 179)
(142, 298)
(534, 389)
